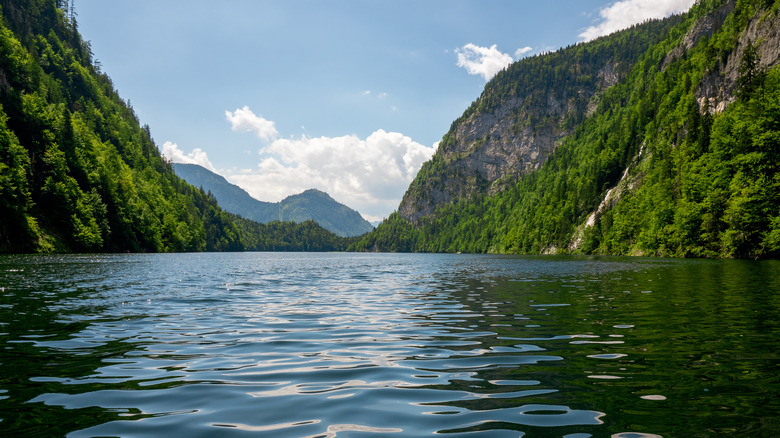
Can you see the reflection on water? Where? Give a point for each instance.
(325, 345)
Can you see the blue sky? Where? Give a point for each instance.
(349, 97)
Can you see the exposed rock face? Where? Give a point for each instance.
(715, 92)
(718, 88)
(629, 181)
(504, 143)
(521, 117)
(703, 28)
(506, 134)
(492, 149)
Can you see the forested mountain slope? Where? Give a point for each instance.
(78, 172)
(230, 197)
(679, 157)
(522, 115)
(309, 205)
(318, 206)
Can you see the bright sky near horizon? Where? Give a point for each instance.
(346, 96)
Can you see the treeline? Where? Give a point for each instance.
(697, 184)
(77, 171)
(290, 236)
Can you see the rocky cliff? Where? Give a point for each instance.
(718, 88)
(571, 153)
(521, 117)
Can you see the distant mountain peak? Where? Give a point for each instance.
(311, 204)
(313, 193)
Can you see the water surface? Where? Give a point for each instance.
(370, 345)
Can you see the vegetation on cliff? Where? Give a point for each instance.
(78, 172)
(655, 170)
(524, 111)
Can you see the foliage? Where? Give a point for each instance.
(750, 75)
(395, 234)
(695, 184)
(541, 97)
(289, 236)
(563, 73)
(77, 171)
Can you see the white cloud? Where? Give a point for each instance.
(625, 13)
(172, 152)
(485, 61)
(369, 175)
(243, 119)
(519, 53)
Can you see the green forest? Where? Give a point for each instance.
(651, 170)
(78, 172)
(693, 183)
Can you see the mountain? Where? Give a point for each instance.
(663, 139)
(522, 116)
(230, 197)
(78, 173)
(309, 205)
(320, 207)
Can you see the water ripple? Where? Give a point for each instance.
(373, 344)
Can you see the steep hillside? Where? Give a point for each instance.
(522, 115)
(679, 158)
(77, 171)
(321, 208)
(230, 196)
(309, 205)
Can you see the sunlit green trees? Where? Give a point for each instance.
(77, 171)
(682, 181)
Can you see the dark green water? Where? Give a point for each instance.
(373, 345)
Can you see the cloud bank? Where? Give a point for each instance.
(172, 152)
(626, 13)
(369, 175)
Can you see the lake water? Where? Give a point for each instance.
(375, 345)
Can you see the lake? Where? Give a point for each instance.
(376, 345)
